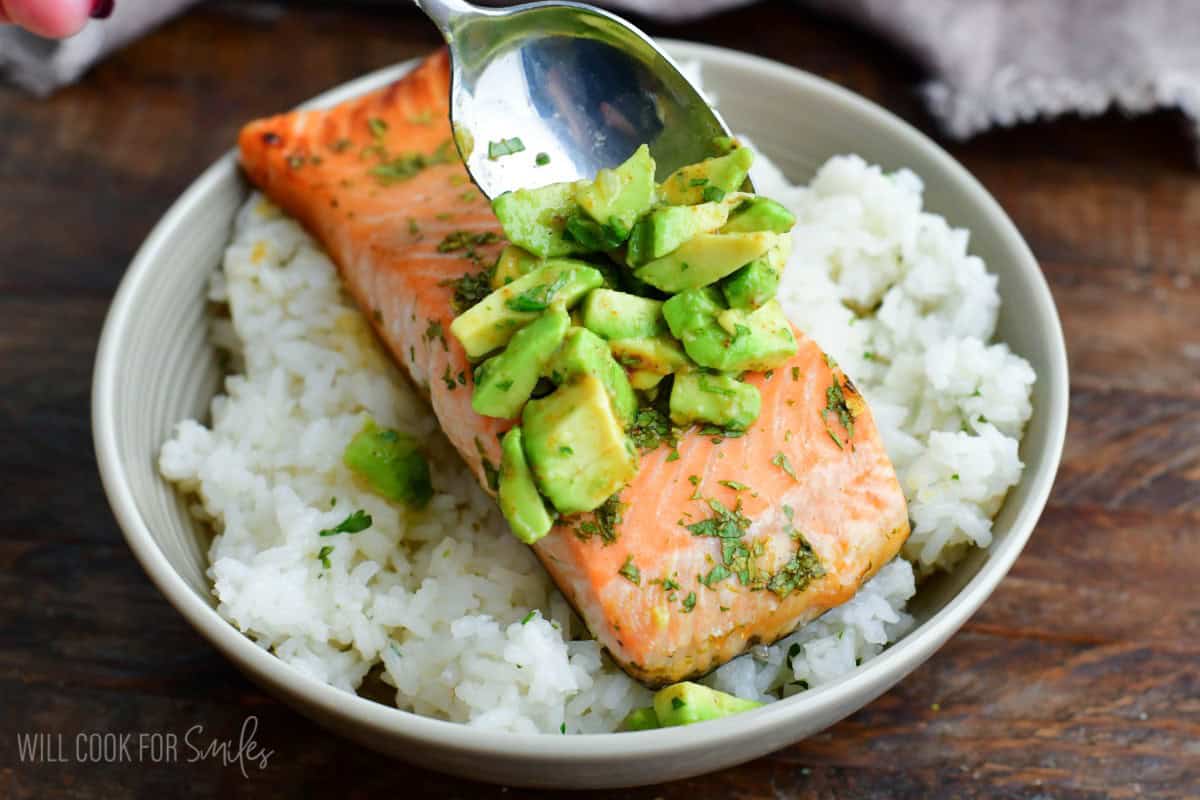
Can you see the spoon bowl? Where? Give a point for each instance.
(550, 92)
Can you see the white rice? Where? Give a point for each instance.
(453, 610)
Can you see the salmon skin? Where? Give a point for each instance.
(720, 542)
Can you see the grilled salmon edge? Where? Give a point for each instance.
(371, 180)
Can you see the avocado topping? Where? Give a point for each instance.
(620, 312)
(391, 463)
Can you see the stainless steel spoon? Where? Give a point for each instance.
(576, 87)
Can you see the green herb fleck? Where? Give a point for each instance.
(803, 568)
(378, 127)
(630, 572)
(505, 147)
(470, 289)
(449, 379)
(737, 487)
(529, 617)
(542, 159)
(358, 521)
(650, 428)
(669, 585)
(795, 373)
(781, 460)
(434, 331)
(713, 194)
(538, 298)
(835, 403)
(698, 182)
(323, 555)
(689, 602)
(677, 703)
(715, 575)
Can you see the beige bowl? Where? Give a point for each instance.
(155, 367)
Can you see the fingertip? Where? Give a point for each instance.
(54, 19)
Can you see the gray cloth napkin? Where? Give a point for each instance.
(993, 62)
(41, 66)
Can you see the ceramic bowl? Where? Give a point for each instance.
(155, 367)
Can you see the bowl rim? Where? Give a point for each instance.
(868, 680)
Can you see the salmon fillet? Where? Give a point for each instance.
(712, 547)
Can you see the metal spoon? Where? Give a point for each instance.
(578, 88)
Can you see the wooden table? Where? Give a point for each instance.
(1079, 678)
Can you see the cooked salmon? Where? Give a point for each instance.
(720, 542)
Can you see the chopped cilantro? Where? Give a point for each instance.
(542, 159)
(673, 455)
(538, 298)
(737, 487)
(835, 403)
(378, 126)
(449, 379)
(713, 194)
(715, 575)
(689, 602)
(669, 584)
(630, 572)
(528, 617)
(358, 521)
(795, 373)
(434, 331)
(505, 147)
(323, 555)
(781, 460)
(470, 289)
(650, 429)
(677, 703)
(802, 569)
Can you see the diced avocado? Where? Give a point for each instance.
(617, 197)
(585, 353)
(504, 382)
(520, 502)
(594, 237)
(719, 399)
(686, 186)
(664, 229)
(640, 719)
(687, 702)
(661, 355)
(644, 380)
(752, 285)
(391, 463)
(619, 315)
(729, 340)
(576, 446)
(705, 259)
(512, 264)
(759, 214)
(491, 322)
(535, 219)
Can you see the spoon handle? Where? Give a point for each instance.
(446, 13)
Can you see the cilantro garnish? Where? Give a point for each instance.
(538, 298)
(323, 555)
(358, 521)
(505, 147)
(781, 460)
(542, 159)
(630, 572)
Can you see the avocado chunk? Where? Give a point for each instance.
(536, 219)
(644, 380)
(512, 264)
(661, 355)
(705, 259)
(640, 719)
(620, 315)
(759, 214)
(504, 382)
(391, 463)
(585, 353)
(719, 399)
(687, 702)
(617, 197)
(752, 285)
(576, 445)
(665, 229)
(491, 322)
(520, 502)
(729, 340)
(710, 179)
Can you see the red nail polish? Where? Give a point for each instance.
(102, 8)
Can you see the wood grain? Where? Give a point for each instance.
(1080, 678)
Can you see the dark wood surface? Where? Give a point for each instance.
(1079, 678)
